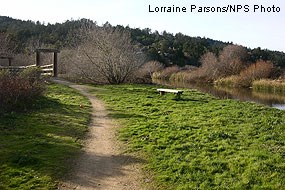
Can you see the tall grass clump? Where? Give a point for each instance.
(231, 81)
(17, 91)
(267, 85)
(199, 75)
(178, 77)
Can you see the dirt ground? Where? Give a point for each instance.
(102, 166)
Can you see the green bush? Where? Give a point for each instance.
(33, 74)
(4, 73)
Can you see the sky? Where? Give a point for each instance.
(262, 27)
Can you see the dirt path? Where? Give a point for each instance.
(101, 166)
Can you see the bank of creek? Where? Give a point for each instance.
(268, 99)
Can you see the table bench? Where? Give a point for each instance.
(178, 93)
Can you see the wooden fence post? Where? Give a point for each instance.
(10, 61)
(55, 64)
(38, 58)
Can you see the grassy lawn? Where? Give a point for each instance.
(200, 142)
(35, 146)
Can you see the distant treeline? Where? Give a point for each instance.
(169, 49)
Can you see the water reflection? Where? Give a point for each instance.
(269, 99)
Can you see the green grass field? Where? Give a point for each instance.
(200, 142)
(35, 146)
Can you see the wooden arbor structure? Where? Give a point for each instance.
(55, 58)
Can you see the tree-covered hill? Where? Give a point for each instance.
(178, 49)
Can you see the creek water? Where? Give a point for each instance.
(268, 99)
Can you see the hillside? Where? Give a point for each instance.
(165, 47)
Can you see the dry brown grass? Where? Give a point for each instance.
(275, 86)
(166, 73)
(231, 81)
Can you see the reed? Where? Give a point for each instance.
(232, 81)
(275, 86)
(166, 73)
(178, 77)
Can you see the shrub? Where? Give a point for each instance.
(18, 91)
(209, 67)
(4, 73)
(144, 74)
(257, 71)
(260, 70)
(166, 73)
(33, 74)
(230, 62)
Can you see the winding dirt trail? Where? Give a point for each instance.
(102, 166)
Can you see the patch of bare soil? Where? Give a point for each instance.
(102, 166)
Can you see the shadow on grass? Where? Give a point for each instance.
(35, 145)
(37, 104)
(50, 114)
(190, 100)
(99, 167)
(34, 162)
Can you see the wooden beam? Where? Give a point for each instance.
(47, 50)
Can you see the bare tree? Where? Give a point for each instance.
(107, 55)
(209, 67)
(232, 60)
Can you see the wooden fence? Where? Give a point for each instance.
(50, 70)
(47, 70)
